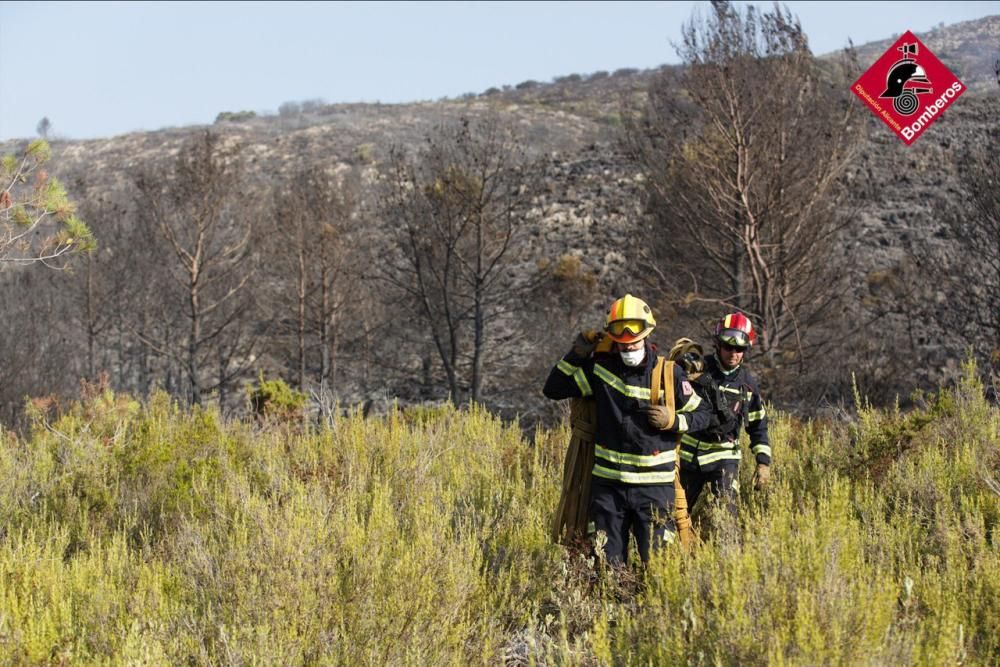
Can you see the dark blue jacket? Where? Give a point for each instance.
(707, 451)
(628, 450)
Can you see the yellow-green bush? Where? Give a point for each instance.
(274, 399)
(160, 535)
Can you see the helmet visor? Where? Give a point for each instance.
(627, 327)
(734, 338)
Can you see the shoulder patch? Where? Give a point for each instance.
(686, 386)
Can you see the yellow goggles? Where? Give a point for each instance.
(632, 327)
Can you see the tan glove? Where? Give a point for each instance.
(661, 417)
(585, 343)
(761, 476)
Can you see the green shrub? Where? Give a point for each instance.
(365, 153)
(158, 534)
(274, 399)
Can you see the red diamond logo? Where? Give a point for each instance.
(908, 88)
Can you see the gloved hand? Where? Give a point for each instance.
(761, 476)
(585, 343)
(661, 417)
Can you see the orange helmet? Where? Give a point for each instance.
(736, 330)
(629, 320)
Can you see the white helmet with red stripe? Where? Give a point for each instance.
(735, 330)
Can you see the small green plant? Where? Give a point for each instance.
(274, 399)
(365, 153)
(881, 436)
(613, 118)
(428, 413)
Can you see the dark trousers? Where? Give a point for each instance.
(618, 510)
(721, 483)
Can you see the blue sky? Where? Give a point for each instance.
(97, 69)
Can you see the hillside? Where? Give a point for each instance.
(593, 195)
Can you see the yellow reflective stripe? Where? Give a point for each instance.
(635, 459)
(687, 456)
(761, 449)
(577, 374)
(682, 423)
(719, 456)
(662, 477)
(716, 446)
(731, 390)
(618, 384)
(707, 446)
(756, 416)
(692, 403)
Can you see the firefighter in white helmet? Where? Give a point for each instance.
(632, 488)
(711, 457)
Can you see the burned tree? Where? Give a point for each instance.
(311, 267)
(458, 244)
(199, 215)
(742, 170)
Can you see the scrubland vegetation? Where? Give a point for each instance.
(163, 535)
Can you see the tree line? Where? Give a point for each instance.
(422, 279)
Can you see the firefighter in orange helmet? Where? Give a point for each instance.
(712, 457)
(632, 488)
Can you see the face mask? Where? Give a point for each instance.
(633, 357)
